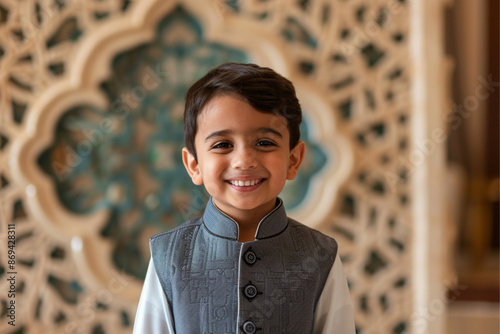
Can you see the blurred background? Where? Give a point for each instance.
(401, 126)
(472, 42)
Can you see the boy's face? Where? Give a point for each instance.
(244, 158)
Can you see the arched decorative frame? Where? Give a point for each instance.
(90, 68)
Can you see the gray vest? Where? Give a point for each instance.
(215, 284)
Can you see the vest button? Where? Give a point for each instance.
(249, 327)
(250, 291)
(249, 257)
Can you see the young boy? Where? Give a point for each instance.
(243, 266)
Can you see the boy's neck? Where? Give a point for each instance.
(247, 225)
(248, 221)
(245, 235)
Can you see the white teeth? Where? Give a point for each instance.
(244, 183)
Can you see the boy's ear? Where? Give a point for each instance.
(192, 167)
(296, 157)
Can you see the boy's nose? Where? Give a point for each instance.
(244, 158)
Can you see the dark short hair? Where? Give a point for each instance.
(261, 87)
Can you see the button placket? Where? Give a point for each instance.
(250, 291)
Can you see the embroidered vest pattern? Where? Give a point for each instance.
(216, 284)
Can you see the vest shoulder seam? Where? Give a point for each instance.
(187, 225)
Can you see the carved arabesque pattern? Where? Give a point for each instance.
(37, 38)
(357, 51)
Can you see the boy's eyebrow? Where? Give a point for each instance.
(217, 134)
(227, 132)
(266, 130)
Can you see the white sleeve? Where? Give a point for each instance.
(334, 309)
(153, 313)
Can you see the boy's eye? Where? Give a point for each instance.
(222, 145)
(265, 143)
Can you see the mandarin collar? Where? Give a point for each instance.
(222, 225)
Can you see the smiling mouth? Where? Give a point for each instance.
(249, 183)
